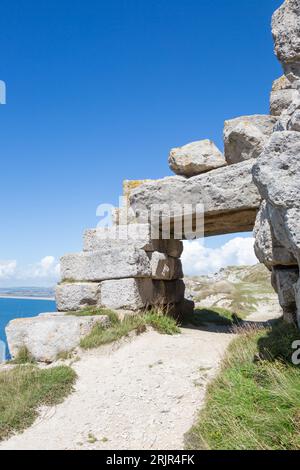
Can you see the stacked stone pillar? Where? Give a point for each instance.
(122, 268)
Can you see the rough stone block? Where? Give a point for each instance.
(48, 335)
(165, 268)
(280, 100)
(110, 263)
(245, 137)
(196, 158)
(75, 296)
(135, 235)
(137, 294)
(229, 196)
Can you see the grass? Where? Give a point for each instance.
(121, 328)
(254, 403)
(24, 389)
(23, 357)
(161, 322)
(93, 311)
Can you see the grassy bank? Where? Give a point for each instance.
(254, 403)
(25, 388)
(120, 328)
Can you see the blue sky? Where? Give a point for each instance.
(99, 91)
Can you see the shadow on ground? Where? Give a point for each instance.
(213, 320)
(223, 321)
(277, 344)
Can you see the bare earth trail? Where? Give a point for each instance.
(141, 394)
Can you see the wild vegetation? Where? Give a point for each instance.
(237, 289)
(254, 402)
(24, 388)
(121, 328)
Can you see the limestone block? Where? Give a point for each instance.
(229, 196)
(137, 294)
(138, 236)
(165, 268)
(110, 263)
(245, 137)
(280, 100)
(196, 158)
(75, 296)
(48, 335)
(286, 33)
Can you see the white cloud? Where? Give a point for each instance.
(197, 259)
(7, 269)
(46, 268)
(44, 272)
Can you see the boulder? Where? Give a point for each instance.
(137, 294)
(47, 336)
(286, 34)
(228, 196)
(245, 137)
(77, 295)
(196, 158)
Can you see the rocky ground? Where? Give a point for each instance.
(243, 290)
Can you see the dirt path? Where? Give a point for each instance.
(143, 394)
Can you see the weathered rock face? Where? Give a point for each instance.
(282, 95)
(283, 281)
(277, 171)
(230, 198)
(137, 294)
(277, 177)
(77, 295)
(286, 34)
(196, 158)
(49, 335)
(101, 265)
(245, 137)
(267, 248)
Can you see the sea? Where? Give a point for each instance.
(11, 308)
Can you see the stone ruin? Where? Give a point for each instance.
(276, 172)
(255, 184)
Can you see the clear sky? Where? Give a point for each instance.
(99, 90)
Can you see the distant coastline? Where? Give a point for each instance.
(27, 293)
(27, 297)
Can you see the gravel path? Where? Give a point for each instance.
(141, 394)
